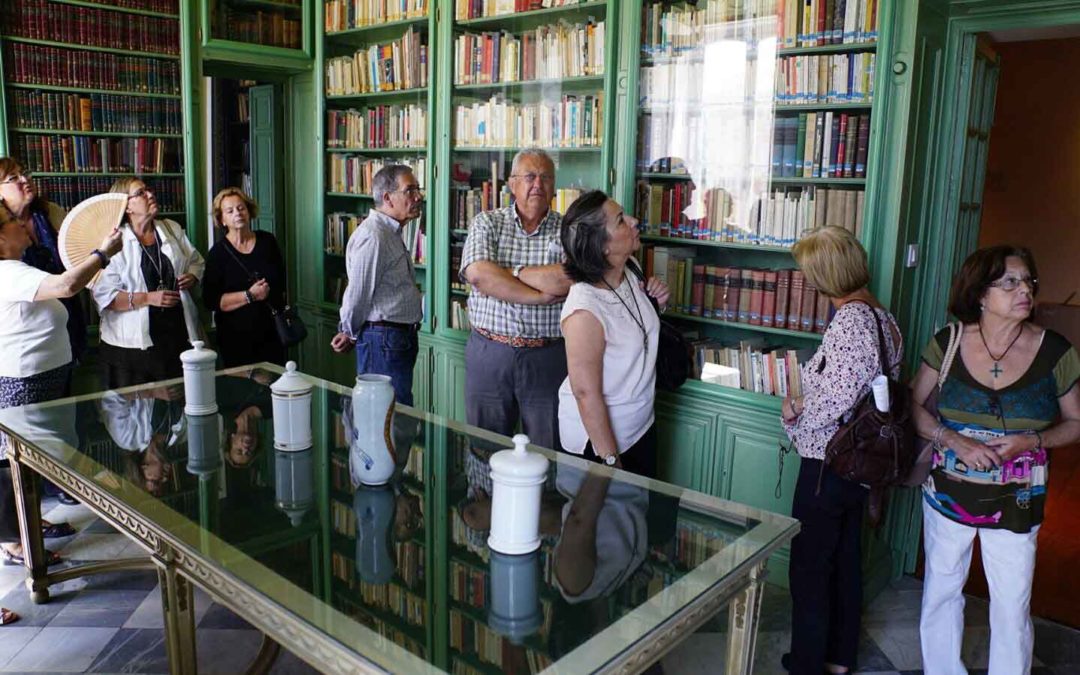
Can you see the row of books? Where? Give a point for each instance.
(472, 637)
(668, 29)
(547, 52)
(410, 607)
(84, 154)
(95, 112)
(379, 126)
(67, 191)
(340, 15)
(459, 314)
(472, 200)
(273, 29)
(60, 66)
(355, 174)
(396, 65)
(44, 20)
(475, 9)
(821, 145)
(751, 366)
(826, 78)
(387, 630)
(757, 297)
(341, 225)
(163, 6)
(812, 23)
(572, 121)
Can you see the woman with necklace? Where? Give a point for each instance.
(1011, 393)
(245, 278)
(825, 570)
(144, 296)
(611, 332)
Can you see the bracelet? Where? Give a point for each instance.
(1038, 440)
(248, 297)
(131, 300)
(937, 434)
(101, 256)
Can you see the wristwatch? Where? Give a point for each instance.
(517, 271)
(610, 459)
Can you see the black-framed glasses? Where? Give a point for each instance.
(412, 191)
(545, 178)
(1010, 284)
(141, 192)
(23, 177)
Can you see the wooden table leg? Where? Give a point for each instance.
(178, 606)
(28, 507)
(744, 612)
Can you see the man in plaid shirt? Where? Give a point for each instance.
(515, 360)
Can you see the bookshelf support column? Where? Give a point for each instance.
(743, 615)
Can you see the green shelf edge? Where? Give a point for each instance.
(338, 151)
(114, 8)
(361, 30)
(107, 174)
(405, 93)
(813, 107)
(501, 18)
(793, 334)
(515, 148)
(91, 48)
(844, 48)
(88, 90)
(715, 244)
(106, 134)
(528, 84)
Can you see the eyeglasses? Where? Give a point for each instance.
(1010, 284)
(412, 191)
(17, 178)
(141, 192)
(545, 178)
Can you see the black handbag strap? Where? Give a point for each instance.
(883, 357)
(635, 268)
(229, 249)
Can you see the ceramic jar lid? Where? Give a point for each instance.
(291, 383)
(199, 354)
(519, 465)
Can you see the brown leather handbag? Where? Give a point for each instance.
(875, 448)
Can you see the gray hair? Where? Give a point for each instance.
(386, 180)
(530, 152)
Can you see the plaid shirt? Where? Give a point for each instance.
(498, 236)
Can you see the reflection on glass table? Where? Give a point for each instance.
(396, 576)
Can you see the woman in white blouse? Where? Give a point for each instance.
(148, 315)
(611, 332)
(35, 352)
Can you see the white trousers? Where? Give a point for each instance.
(1009, 561)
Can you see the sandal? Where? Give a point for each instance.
(9, 558)
(57, 530)
(7, 616)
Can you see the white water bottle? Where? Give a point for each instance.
(880, 387)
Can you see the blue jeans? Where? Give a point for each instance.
(383, 350)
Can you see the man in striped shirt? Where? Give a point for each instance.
(515, 360)
(382, 308)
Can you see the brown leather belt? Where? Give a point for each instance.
(392, 324)
(517, 341)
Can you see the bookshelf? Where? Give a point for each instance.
(532, 78)
(269, 23)
(377, 83)
(95, 99)
(789, 98)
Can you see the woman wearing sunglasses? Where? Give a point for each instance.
(1011, 393)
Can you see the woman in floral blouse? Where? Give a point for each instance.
(825, 577)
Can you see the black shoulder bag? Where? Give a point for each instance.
(673, 354)
(287, 322)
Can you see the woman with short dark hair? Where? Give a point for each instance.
(1011, 393)
(611, 333)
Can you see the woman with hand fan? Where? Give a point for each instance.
(147, 313)
(35, 353)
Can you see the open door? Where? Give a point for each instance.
(265, 159)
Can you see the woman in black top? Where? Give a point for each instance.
(245, 276)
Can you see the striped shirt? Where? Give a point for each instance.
(499, 237)
(382, 283)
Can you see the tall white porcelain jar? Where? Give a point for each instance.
(514, 604)
(371, 456)
(292, 410)
(200, 397)
(517, 478)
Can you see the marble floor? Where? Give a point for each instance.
(112, 624)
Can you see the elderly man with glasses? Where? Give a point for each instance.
(515, 360)
(382, 308)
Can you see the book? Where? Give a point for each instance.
(769, 298)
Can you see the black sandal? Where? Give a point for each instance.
(57, 530)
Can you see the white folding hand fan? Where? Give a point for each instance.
(87, 224)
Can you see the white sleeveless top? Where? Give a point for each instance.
(629, 368)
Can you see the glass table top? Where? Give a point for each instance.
(402, 573)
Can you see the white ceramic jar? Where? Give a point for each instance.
(374, 510)
(204, 441)
(291, 394)
(294, 483)
(517, 478)
(514, 607)
(371, 455)
(200, 396)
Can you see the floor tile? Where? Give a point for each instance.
(698, 654)
(894, 608)
(59, 649)
(94, 547)
(870, 657)
(133, 651)
(1056, 645)
(900, 644)
(219, 616)
(18, 600)
(14, 637)
(226, 651)
(126, 580)
(91, 608)
(770, 647)
(148, 613)
(289, 664)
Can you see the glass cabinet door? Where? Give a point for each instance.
(753, 126)
(250, 25)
